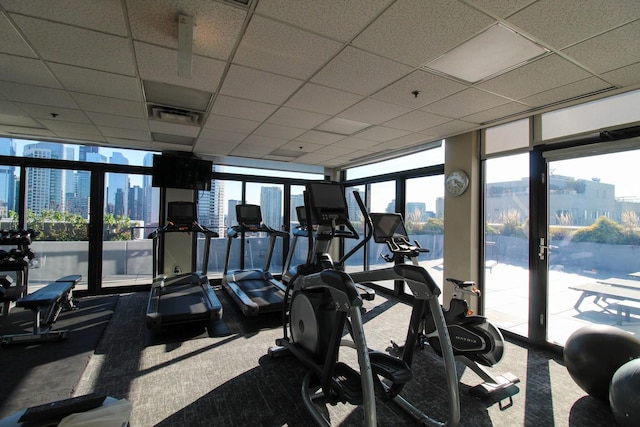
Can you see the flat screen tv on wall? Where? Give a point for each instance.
(173, 171)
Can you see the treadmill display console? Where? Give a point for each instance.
(249, 216)
(182, 213)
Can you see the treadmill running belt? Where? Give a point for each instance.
(262, 293)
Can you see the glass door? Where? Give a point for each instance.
(593, 237)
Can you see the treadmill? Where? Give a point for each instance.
(181, 298)
(254, 290)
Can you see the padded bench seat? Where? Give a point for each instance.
(46, 296)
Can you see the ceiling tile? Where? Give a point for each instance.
(223, 135)
(297, 118)
(546, 73)
(26, 70)
(101, 119)
(374, 111)
(157, 126)
(463, 103)
(382, 133)
(277, 131)
(451, 128)
(76, 128)
(258, 85)
(43, 96)
(568, 91)
(318, 137)
(625, 76)
(12, 42)
(618, 48)
(231, 124)
(495, 113)
(215, 147)
(45, 112)
(502, 8)
(429, 86)
(18, 120)
(77, 46)
(123, 133)
(333, 18)
(242, 108)
(354, 70)
(103, 104)
(161, 64)
(97, 82)
(282, 49)
(216, 25)
(416, 121)
(562, 23)
(104, 15)
(321, 99)
(427, 30)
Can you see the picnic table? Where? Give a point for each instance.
(627, 295)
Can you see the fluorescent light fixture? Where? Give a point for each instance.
(185, 45)
(492, 52)
(176, 96)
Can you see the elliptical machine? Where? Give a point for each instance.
(475, 340)
(324, 301)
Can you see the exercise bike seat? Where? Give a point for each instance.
(389, 367)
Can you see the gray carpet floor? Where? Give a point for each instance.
(227, 380)
(31, 374)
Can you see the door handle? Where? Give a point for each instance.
(541, 249)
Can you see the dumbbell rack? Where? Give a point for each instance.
(14, 260)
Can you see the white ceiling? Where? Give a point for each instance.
(325, 82)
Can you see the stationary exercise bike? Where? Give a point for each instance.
(476, 342)
(323, 302)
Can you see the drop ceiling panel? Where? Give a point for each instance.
(158, 126)
(354, 70)
(77, 46)
(26, 70)
(501, 8)
(161, 64)
(215, 147)
(97, 82)
(430, 88)
(318, 137)
(568, 91)
(103, 104)
(58, 126)
(562, 23)
(18, 120)
(242, 108)
(495, 113)
(216, 25)
(298, 118)
(104, 15)
(539, 76)
(373, 111)
(416, 121)
(11, 41)
(320, 99)
(619, 47)
(123, 133)
(282, 49)
(223, 135)
(625, 76)
(44, 112)
(382, 133)
(333, 18)
(258, 85)
(101, 119)
(427, 30)
(231, 124)
(464, 103)
(277, 131)
(41, 96)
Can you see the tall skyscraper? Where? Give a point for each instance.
(7, 178)
(45, 187)
(271, 205)
(118, 186)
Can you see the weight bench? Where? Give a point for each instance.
(46, 304)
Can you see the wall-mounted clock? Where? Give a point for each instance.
(457, 182)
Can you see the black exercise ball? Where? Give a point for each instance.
(594, 353)
(624, 394)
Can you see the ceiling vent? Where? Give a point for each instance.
(175, 115)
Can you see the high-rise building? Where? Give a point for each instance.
(118, 186)
(7, 178)
(45, 187)
(210, 205)
(271, 206)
